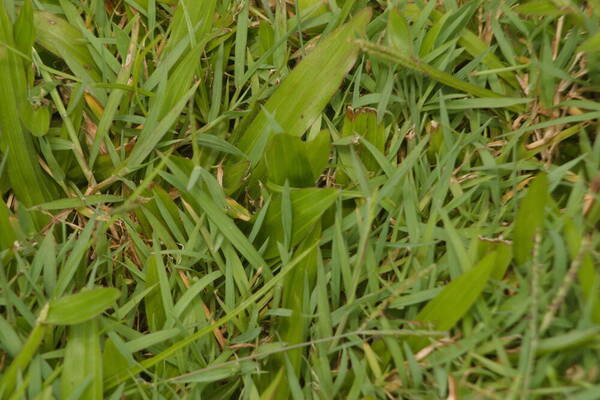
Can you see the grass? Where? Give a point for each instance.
(302, 199)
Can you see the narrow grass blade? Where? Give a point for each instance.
(250, 300)
(418, 65)
(8, 381)
(155, 310)
(201, 201)
(114, 99)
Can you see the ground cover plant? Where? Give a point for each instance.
(300, 199)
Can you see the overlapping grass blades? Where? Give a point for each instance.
(310, 199)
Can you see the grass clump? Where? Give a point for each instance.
(299, 199)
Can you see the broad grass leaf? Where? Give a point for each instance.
(399, 34)
(530, 218)
(591, 44)
(504, 255)
(77, 308)
(24, 29)
(363, 122)
(312, 7)
(113, 362)
(9, 339)
(286, 160)
(235, 176)
(503, 258)
(66, 41)
(453, 302)
(22, 169)
(83, 362)
(305, 92)
(35, 119)
(317, 152)
(308, 205)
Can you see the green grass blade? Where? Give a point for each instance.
(24, 174)
(61, 38)
(530, 218)
(301, 97)
(83, 362)
(204, 331)
(419, 65)
(453, 302)
(80, 307)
